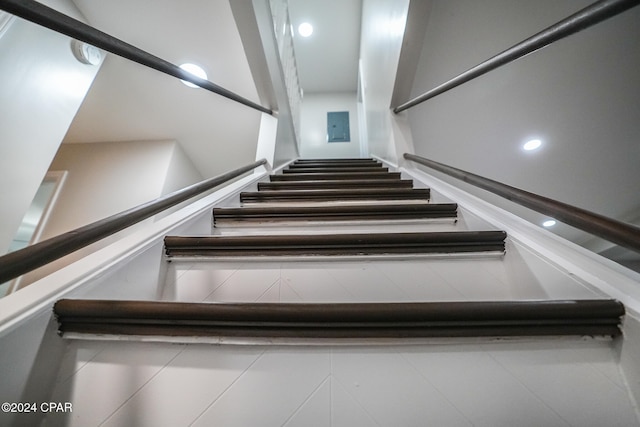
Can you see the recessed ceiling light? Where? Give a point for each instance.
(532, 144)
(549, 223)
(305, 29)
(194, 69)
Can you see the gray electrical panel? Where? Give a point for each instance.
(338, 126)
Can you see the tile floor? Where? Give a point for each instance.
(563, 382)
(533, 382)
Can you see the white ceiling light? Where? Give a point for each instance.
(533, 144)
(195, 70)
(305, 29)
(549, 223)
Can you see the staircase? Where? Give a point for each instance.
(359, 300)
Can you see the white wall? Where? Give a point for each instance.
(107, 178)
(41, 88)
(255, 25)
(579, 95)
(181, 171)
(382, 28)
(315, 107)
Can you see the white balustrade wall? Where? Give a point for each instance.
(284, 37)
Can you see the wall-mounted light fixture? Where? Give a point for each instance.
(305, 29)
(194, 69)
(86, 53)
(532, 144)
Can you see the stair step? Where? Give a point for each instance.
(336, 213)
(333, 165)
(338, 169)
(347, 244)
(342, 320)
(329, 184)
(335, 195)
(333, 176)
(337, 161)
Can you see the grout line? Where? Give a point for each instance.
(594, 367)
(336, 280)
(393, 282)
(221, 283)
(142, 386)
(371, 417)
(331, 387)
(280, 285)
(267, 290)
(533, 393)
(421, 375)
(227, 388)
(311, 395)
(77, 370)
(295, 292)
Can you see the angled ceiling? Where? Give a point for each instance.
(328, 59)
(130, 102)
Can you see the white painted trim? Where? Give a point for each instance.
(5, 22)
(308, 259)
(391, 165)
(59, 177)
(609, 277)
(266, 148)
(333, 342)
(39, 296)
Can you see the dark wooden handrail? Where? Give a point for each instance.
(585, 18)
(342, 320)
(618, 232)
(22, 261)
(50, 18)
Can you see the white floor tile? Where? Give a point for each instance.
(480, 388)
(566, 380)
(271, 390)
(418, 281)
(346, 411)
(110, 379)
(534, 275)
(185, 388)
(471, 279)
(316, 410)
(390, 390)
(245, 286)
(288, 294)
(78, 354)
(272, 294)
(366, 284)
(315, 284)
(195, 282)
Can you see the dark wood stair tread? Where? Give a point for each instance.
(372, 170)
(332, 184)
(333, 176)
(343, 194)
(339, 160)
(361, 212)
(335, 166)
(342, 320)
(345, 244)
